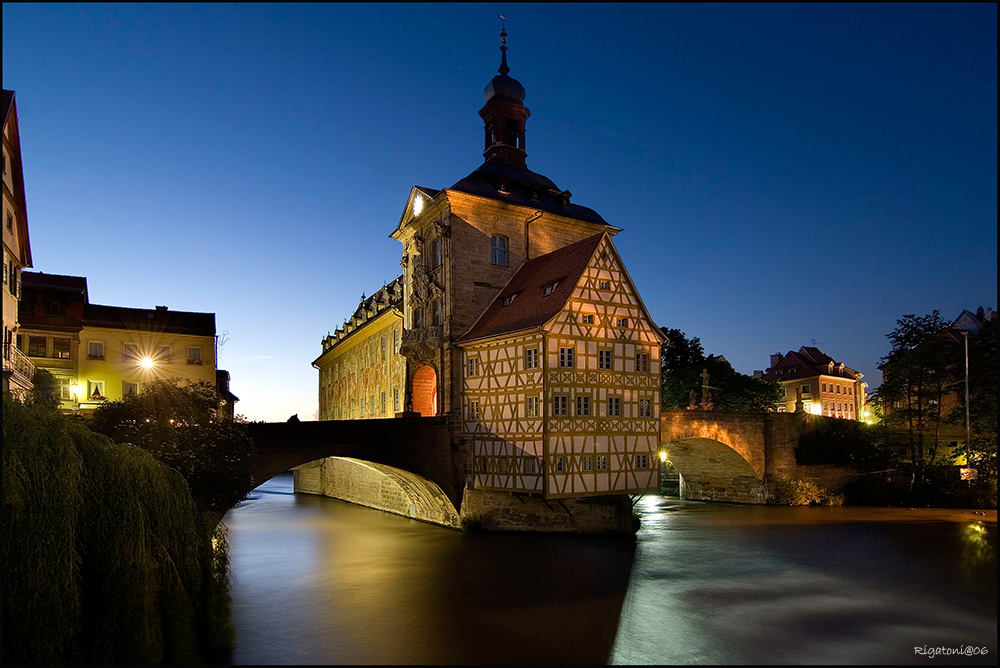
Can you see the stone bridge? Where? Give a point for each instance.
(404, 465)
(726, 456)
(409, 465)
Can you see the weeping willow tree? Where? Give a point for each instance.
(106, 559)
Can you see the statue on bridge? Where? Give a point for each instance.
(706, 396)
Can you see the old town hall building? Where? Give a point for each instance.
(515, 317)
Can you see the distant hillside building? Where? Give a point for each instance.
(17, 368)
(822, 385)
(516, 318)
(99, 353)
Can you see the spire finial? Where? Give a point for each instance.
(503, 45)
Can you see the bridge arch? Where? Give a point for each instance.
(713, 471)
(377, 486)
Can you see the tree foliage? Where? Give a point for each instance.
(106, 558)
(682, 362)
(178, 425)
(45, 386)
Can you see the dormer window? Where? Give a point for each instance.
(549, 289)
(508, 299)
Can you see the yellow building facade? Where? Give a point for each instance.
(822, 385)
(101, 353)
(361, 374)
(17, 368)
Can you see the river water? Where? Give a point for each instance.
(321, 581)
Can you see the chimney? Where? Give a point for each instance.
(161, 308)
(775, 358)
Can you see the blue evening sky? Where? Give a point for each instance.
(784, 174)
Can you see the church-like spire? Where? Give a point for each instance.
(504, 112)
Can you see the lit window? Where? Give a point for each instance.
(498, 251)
(566, 358)
(560, 405)
(473, 366)
(60, 348)
(194, 355)
(642, 362)
(583, 406)
(130, 389)
(95, 389)
(531, 358)
(614, 406)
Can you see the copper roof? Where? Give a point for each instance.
(530, 306)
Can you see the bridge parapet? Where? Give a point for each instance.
(743, 432)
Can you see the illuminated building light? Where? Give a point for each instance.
(146, 363)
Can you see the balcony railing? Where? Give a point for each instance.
(430, 336)
(18, 366)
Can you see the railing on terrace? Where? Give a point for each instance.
(18, 366)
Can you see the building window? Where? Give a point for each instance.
(583, 406)
(10, 223)
(95, 350)
(529, 466)
(645, 408)
(642, 461)
(838, 389)
(623, 322)
(384, 406)
(395, 341)
(588, 463)
(436, 253)
(498, 251)
(560, 405)
(531, 407)
(602, 462)
(560, 464)
(65, 388)
(473, 410)
(194, 355)
(36, 346)
(473, 369)
(614, 406)
(605, 360)
(508, 299)
(822, 387)
(130, 389)
(531, 358)
(130, 351)
(436, 310)
(55, 308)
(484, 465)
(549, 289)
(642, 362)
(588, 319)
(395, 399)
(605, 285)
(806, 389)
(61, 348)
(502, 465)
(95, 389)
(566, 358)
(418, 318)
(383, 346)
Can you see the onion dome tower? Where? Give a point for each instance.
(504, 113)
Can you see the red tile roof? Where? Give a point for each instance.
(530, 307)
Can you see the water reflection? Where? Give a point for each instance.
(320, 581)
